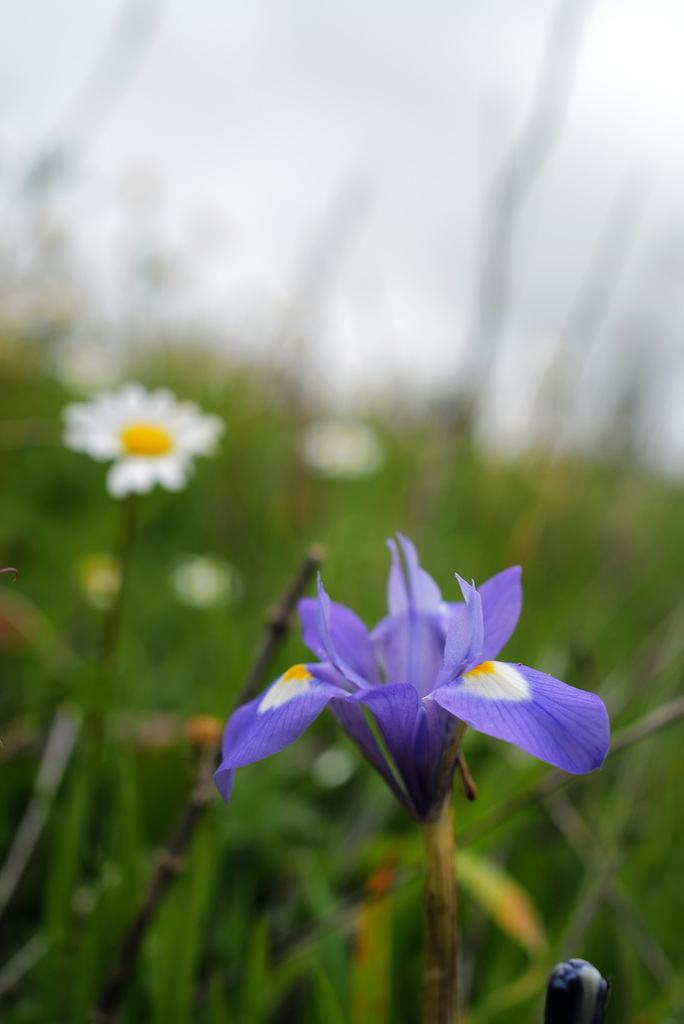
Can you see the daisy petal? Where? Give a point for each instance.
(130, 476)
(171, 473)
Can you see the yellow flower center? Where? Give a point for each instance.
(145, 439)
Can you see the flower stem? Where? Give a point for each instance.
(129, 514)
(440, 910)
(99, 681)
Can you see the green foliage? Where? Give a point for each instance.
(258, 928)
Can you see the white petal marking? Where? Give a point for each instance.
(294, 683)
(495, 680)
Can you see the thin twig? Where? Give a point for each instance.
(58, 750)
(467, 781)
(279, 621)
(170, 860)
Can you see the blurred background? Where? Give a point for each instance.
(428, 200)
(426, 261)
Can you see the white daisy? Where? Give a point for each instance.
(152, 437)
(203, 581)
(343, 450)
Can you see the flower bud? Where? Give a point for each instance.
(575, 994)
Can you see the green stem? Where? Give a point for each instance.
(99, 681)
(440, 909)
(129, 515)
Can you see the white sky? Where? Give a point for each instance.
(255, 117)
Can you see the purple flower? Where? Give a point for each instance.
(424, 671)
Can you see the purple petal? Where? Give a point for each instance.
(557, 723)
(501, 605)
(439, 728)
(397, 591)
(465, 632)
(224, 779)
(324, 629)
(348, 637)
(410, 641)
(410, 648)
(352, 719)
(424, 592)
(277, 717)
(395, 708)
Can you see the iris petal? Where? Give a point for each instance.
(395, 708)
(465, 634)
(348, 635)
(324, 630)
(425, 594)
(439, 729)
(557, 723)
(276, 718)
(410, 649)
(501, 606)
(409, 643)
(397, 591)
(352, 719)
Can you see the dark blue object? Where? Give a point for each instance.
(575, 994)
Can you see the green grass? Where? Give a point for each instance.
(254, 930)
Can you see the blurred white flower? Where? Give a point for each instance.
(83, 367)
(333, 767)
(99, 576)
(150, 434)
(345, 450)
(203, 581)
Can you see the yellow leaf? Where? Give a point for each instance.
(504, 900)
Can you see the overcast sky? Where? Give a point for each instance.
(253, 126)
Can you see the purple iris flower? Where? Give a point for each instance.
(424, 671)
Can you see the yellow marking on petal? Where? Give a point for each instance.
(146, 439)
(495, 680)
(293, 683)
(485, 669)
(296, 672)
